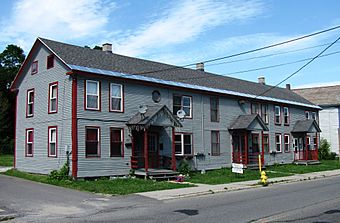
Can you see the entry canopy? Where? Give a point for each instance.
(306, 126)
(249, 122)
(155, 115)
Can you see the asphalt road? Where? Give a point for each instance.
(307, 201)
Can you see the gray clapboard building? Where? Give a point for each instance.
(112, 113)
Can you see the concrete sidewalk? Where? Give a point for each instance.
(4, 168)
(203, 189)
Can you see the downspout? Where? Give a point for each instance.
(74, 128)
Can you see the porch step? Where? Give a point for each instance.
(157, 174)
(307, 162)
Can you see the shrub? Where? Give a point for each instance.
(184, 167)
(61, 174)
(325, 151)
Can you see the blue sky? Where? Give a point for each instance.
(184, 32)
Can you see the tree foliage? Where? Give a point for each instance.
(10, 61)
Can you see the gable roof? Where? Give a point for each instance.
(103, 63)
(248, 122)
(308, 125)
(322, 96)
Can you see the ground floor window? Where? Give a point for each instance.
(92, 142)
(52, 141)
(286, 142)
(116, 142)
(278, 142)
(183, 144)
(29, 142)
(215, 143)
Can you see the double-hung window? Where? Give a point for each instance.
(92, 142)
(92, 98)
(265, 143)
(255, 108)
(116, 142)
(50, 61)
(53, 98)
(315, 142)
(286, 118)
(277, 114)
(215, 143)
(182, 103)
(116, 97)
(265, 116)
(52, 141)
(313, 115)
(214, 113)
(278, 142)
(29, 142)
(183, 144)
(34, 67)
(287, 142)
(30, 103)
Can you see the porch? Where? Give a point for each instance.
(153, 136)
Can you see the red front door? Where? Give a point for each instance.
(153, 150)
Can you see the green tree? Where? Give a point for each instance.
(10, 61)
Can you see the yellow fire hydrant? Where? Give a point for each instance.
(264, 178)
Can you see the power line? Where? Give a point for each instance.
(298, 70)
(243, 53)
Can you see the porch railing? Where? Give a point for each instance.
(306, 155)
(239, 157)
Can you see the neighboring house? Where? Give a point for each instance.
(114, 113)
(328, 98)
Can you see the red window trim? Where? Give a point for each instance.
(280, 134)
(49, 97)
(26, 131)
(218, 140)
(280, 122)
(27, 92)
(263, 135)
(192, 143)
(34, 63)
(122, 138)
(284, 143)
(48, 57)
(122, 94)
(286, 124)
(218, 108)
(56, 142)
(191, 107)
(99, 141)
(99, 95)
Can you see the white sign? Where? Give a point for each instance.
(237, 168)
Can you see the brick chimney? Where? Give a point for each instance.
(107, 47)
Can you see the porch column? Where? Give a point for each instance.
(173, 155)
(306, 154)
(133, 165)
(317, 145)
(246, 146)
(146, 163)
(262, 152)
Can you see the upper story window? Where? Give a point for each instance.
(277, 114)
(29, 142)
(307, 114)
(184, 103)
(116, 142)
(53, 98)
(52, 141)
(215, 143)
(50, 61)
(34, 67)
(92, 147)
(183, 144)
(116, 97)
(92, 97)
(30, 103)
(265, 115)
(286, 114)
(278, 142)
(287, 142)
(255, 108)
(214, 109)
(314, 115)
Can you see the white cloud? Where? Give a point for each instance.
(185, 21)
(61, 19)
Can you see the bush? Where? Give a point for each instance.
(325, 151)
(184, 167)
(61, 174)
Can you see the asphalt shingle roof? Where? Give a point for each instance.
(81, 56)
(322, 96)
(305, 126)
(244, 122)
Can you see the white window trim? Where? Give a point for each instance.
(121, 97)
(28, 142)
(30, 102)
(51, 142)
(280, 143)
(182, 144)
(313, 114)
(284, 115)
(98, 95)
(286, 143)
(190, 107)
(264, 113)
(279, 115)
(51, 98)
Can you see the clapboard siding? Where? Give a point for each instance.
(40, 162)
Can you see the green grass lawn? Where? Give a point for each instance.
(300, 169)
(6, 160)
(105, 186)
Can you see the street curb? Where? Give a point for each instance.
(7, 217)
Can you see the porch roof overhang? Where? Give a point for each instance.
(248, 122)
(306, 126)
(155, 115)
